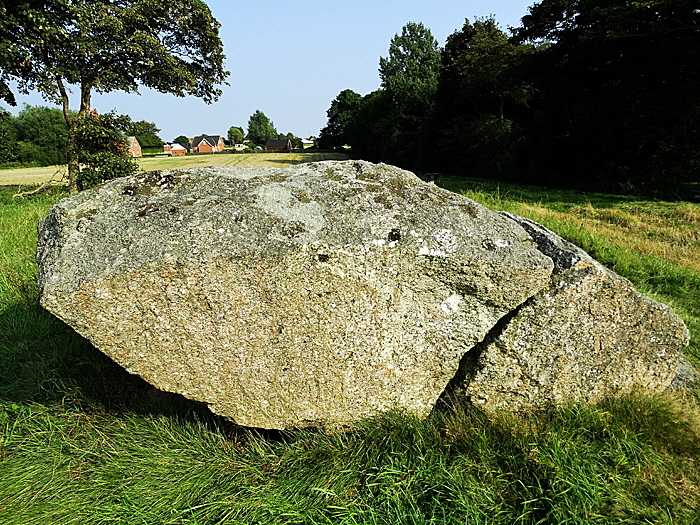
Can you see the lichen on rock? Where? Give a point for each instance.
(310, 295)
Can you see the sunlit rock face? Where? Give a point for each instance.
(325, 292)
(587, 335)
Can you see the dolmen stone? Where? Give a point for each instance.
(326, 292)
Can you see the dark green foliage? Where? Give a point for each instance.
(8, 154)
(37, 136)
(101, 149)
(260, 128)
(409, 77)
(184, 141)
(482, 95)
(146, 133)
(595, 94)
(341, 114)
(235, 135)
(46, 128)
(618, 105)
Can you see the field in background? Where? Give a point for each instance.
(29, 176)
(83, 442)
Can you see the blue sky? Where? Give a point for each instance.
(291, 59)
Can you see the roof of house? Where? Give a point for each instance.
(177, 145)
(212, 140)
(131, 140)
(274, 143)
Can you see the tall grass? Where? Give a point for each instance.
(83, 442)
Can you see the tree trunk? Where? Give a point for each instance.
(72, 122)
(71, 146)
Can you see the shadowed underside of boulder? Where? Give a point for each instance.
(325, 292)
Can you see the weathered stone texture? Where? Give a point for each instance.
(281, 298)
(587, 335)
(325, 292)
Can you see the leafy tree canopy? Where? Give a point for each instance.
(108, 45)
(235, 135)
(184, 141)
(260, 128)
(45, 128)
(102, 150)
(618, 95)
(409, 77)
(410, 72)
(479, 63)
(343, 110)
(146, 133)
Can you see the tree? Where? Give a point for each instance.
(45, 129)
(260, 128)
(182, 140)
(409, 75)
(146, 133)
(235, 135)
(410, 72)
(371, 133)
(8, 132)
(483, 93)
(343, 110)
(102, 153)
(618, 104)
(108, 45)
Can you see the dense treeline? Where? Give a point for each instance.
(38, 136)
(594, 94)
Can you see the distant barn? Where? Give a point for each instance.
(278, 145)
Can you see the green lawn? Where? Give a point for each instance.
(83, 442)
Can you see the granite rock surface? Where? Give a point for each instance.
(324, 292)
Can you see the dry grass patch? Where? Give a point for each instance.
(34, 176)
(670, 232)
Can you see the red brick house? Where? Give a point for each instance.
(279, 145)
(207, 144)
(133, 147)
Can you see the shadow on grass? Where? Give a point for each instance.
(554, 198)
(43, 360)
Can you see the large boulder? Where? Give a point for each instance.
(326, 292)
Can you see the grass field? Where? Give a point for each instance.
(30, 176)
(83, 442)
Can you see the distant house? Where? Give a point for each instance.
(207, 144)
(175, 149)
(278, 145)
(133, 147)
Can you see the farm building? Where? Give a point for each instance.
(278, 145)
(207, 144)
(133, 147)
(175, 149)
